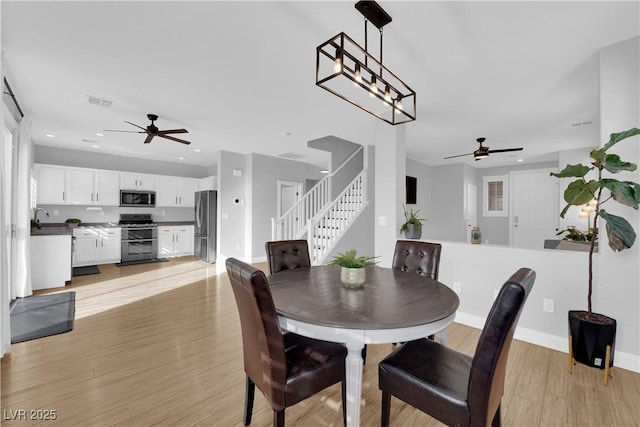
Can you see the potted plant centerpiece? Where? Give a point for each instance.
(592, 335)
(353, 273)
(412, 227)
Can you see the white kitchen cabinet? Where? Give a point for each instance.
(76, 186)
(175, 191)
(107, 188)
(80, 186)
(50, 184)
(208, 183)
(136, 181)
(50, 261)
(175, 240)
(94, 245)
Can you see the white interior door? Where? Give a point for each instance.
(288, 195)
(470, 208)
(534, 209)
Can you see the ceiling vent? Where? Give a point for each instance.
(288, 155)
(577, 124)
(94, 100)
(90, 141)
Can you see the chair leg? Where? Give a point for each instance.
(496, 419)
(364, 354)
(386, 408)
(278, 418)
(249, 392)
(344, 403)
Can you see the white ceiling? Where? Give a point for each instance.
(240, 75)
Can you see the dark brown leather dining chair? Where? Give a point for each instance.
(287, 255)
(450, 386)
(417, 257)
(287, 368)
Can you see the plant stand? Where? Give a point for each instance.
(592, 341)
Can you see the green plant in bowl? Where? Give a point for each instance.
(350, 259)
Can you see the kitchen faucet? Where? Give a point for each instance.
(35, 214)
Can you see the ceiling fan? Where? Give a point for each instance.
(483, 151)
(152, 130)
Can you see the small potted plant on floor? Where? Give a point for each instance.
(353, 273)
(592, 335)
(412, 227)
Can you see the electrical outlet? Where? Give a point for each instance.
(457, 287)
(548, 305)
(56, 212)
(101, 212)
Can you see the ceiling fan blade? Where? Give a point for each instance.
(128, 131)
(182, 141)
(149, 138)
(459, 155)
(163, 132)
(133, 124)
(504, 150)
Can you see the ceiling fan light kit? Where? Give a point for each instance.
(353, 74)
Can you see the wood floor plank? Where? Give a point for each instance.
(159, 344)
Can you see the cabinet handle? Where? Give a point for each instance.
(96, 243)
(97, 197)
(63, 199)
(92, 197)
(176, 200)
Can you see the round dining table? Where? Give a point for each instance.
(392, 306)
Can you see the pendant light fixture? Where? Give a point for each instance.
(352, 73)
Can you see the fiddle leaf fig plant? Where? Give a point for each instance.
(620, 233)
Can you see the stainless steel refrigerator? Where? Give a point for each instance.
(205, 225)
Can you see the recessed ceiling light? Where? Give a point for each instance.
(50, 135)
(96, 146)
(181, 158)
(99, 134)
(197, 150)
(324, 171)
(521, 160)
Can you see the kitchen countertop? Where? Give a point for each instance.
(62, 228)
(166, 223)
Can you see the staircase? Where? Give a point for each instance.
(323, 221)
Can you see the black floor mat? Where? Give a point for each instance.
(42, 315)
(85, 271)
(142, 261)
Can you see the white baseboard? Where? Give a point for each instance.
(621, 359)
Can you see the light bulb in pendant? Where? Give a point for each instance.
(399, 104)
(357, 75)
(337, 64)
(387, 95)
(373, 86)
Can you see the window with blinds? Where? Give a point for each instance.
(495, 195)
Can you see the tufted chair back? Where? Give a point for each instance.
(418, 257)
(287, 255)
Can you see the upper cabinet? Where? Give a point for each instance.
(50, 184)
(175, 191)
(58, 185)
(208, 183)
(137, 181)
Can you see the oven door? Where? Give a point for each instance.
(139, 244)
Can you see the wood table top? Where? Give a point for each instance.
(388, 299)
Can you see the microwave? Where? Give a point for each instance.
(142, 199)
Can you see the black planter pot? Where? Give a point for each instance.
(592, 340)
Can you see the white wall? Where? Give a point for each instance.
(232, 222)
(617, 275)
(265, 173)
(560, 276)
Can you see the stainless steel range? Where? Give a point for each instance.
(139, 237)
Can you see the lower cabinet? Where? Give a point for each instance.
(96, 245)
(175, 240)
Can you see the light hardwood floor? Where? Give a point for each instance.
(159, 344)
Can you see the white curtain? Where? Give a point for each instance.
(22, 200)
(5, 329)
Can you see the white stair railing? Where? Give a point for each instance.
(293, 224)
(328, 226)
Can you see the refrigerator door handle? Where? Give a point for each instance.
(199, 213)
